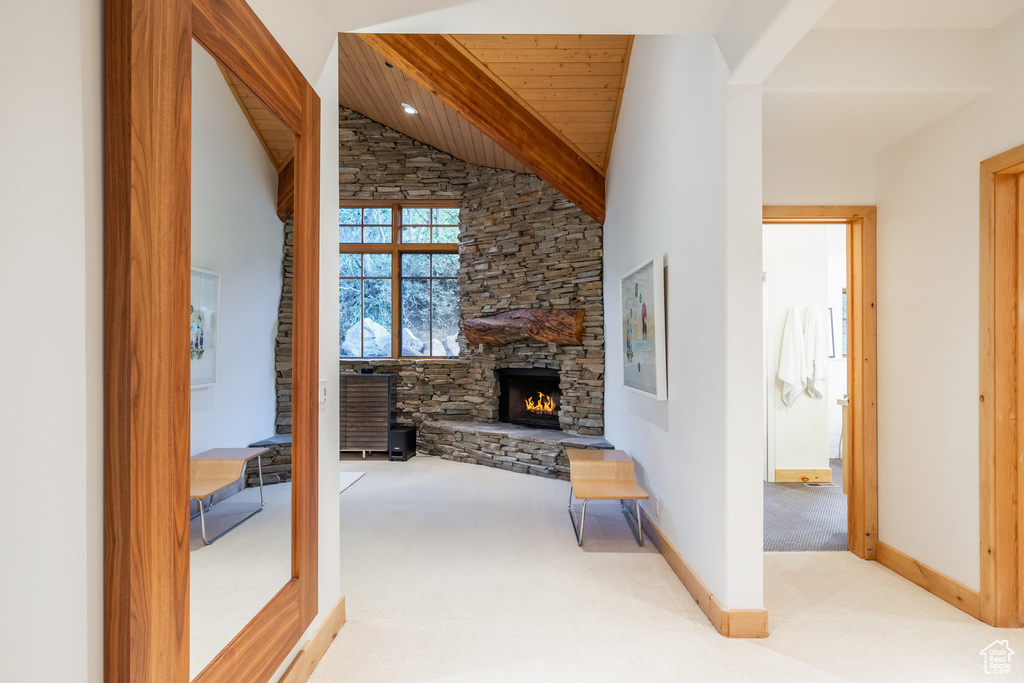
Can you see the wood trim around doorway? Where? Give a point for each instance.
(862, 508)
(1000, 400)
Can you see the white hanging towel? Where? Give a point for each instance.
(792, 359)
(815, 352)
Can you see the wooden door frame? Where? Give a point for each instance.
(862, 327)
(147, 267)
(1000, 400)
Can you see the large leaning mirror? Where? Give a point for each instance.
(240, 360)
(212, 224)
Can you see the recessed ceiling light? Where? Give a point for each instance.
(409, 109)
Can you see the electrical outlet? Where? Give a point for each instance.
(657, 506)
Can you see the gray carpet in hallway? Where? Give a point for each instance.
(800, 517)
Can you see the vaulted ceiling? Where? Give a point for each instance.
(573, 83)
(552, 100)
(367, 85)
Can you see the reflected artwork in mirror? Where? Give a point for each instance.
(240, 422)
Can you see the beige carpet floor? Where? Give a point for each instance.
(456, 572)
(234, 577)
(346, 479)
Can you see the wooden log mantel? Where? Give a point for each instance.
(563, 327)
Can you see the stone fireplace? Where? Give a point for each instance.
(530, 397)
(522, 246)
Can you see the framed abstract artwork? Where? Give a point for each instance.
(643, 329)
(204, 310)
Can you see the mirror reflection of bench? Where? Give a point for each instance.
(603, 475)
(216, 470)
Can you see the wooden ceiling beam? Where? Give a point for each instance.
(459, 81)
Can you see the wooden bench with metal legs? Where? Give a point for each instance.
(216, 469)
(603, 475)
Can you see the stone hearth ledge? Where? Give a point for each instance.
(505, 446)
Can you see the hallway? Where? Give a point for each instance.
(456, 572)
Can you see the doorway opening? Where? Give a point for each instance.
(805, 379)
(820, 466)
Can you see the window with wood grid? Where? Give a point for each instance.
(398, 267)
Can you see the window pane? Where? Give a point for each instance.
(415, 216)
(377, 234)
(445, 317)
(376, 318)
(349, 309)
(348, 225)
(415, 317)
(446, 265)
(446, 216)
(446, 234)
(348, 265)
(415, 265)
(349, 234)
(376, 216)
(377, 265)
(415, 235)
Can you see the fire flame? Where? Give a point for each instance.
(543, 405)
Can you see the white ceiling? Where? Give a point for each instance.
(850, 122)
(645, 16)
(529, 16)
(918, 14)
(873, 72)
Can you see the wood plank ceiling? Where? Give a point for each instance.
(277, 139)
(367, 85)
(571, 84)
(574, 83)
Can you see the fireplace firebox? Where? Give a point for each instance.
(529, 396)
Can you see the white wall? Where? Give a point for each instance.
(670, 158)
(237, 234)
(837, 367)
(330, 429)
(51, 399)
(798, 256)
(51, 131)
(928, 273)
(819, 179)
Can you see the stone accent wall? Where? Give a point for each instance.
(522, 245)
(377, 162)
(283, 346)
(277, 461)
(506, 447)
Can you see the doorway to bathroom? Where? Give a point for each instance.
(805, 381)
(819, 469)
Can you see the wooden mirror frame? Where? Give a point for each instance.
(148, 259)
